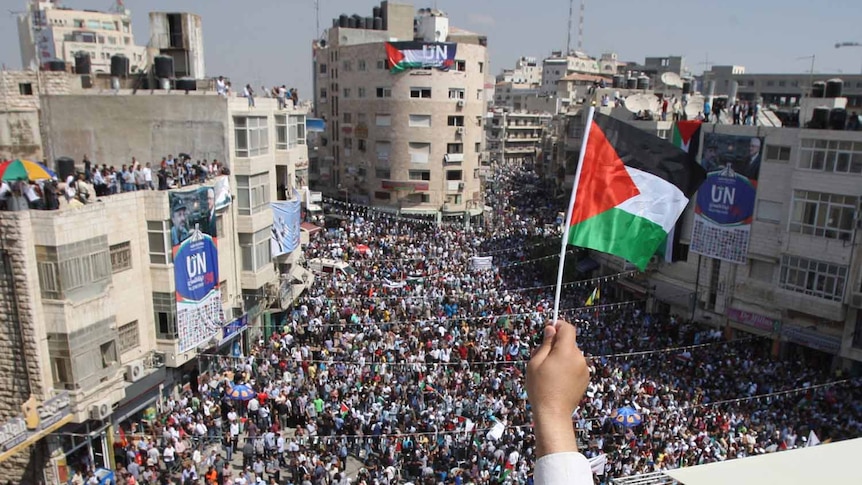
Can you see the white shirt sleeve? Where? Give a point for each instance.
(569, 468)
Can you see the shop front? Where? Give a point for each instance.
(232, 345)
(37, 421)
(811, 344)
(135, 412)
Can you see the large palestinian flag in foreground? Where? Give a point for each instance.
(632, 188)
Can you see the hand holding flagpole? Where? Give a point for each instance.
(567, 222)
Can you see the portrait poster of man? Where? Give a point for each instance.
(742, 154)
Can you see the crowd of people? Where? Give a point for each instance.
(414, 365)
(100, 181)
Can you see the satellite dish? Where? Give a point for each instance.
(694, 106)
(671, 79)
(642, 102)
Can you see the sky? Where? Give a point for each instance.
(269, 41)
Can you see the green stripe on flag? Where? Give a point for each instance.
(620, 233)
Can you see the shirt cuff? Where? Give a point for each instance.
(571, 468)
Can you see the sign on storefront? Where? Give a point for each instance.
(35, 421)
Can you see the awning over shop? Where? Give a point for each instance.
(586, 265)
(674, 295)
(310, 228)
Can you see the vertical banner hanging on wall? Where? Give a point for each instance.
(725, 202)
(200, 315)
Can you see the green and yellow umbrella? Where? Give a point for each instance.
(24, 170)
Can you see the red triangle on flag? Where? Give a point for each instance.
(395, 56)
(687, 129)
(604, 182)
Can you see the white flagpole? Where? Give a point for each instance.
(566, 222)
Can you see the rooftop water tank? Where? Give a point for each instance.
(342, 20)
(632, 83)
(643, 83)
(119, 65)
(164, 67)
(820, 118)
(619, 81)
(837, 118)
(834, 88)
(378, 23)
(818, 89)
(82, 63)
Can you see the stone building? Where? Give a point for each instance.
(87, 295)
(405, 140)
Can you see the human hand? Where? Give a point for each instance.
(557, 377)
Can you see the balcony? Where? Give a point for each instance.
(453, 158)
(454, 186)
(810, 305)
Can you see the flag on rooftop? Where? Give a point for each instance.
(631, 188)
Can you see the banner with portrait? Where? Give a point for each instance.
(286, 220)
(724, 208)
(200, 315)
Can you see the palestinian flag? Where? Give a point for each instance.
(344, 410)
(630, 189)
(686, 136)
(593, 298)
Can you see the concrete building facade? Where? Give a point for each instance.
(49, 32)
(88, 294)
(408, 141)
(179, 36)
(515, 138)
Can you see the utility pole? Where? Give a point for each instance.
(317, 18)
(581, 27)
(569, 31)
(839, 45)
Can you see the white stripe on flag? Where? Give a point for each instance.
(659, 200)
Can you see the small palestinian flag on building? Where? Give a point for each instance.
(630, 189)
(686, 137)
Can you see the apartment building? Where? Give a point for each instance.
(558, 66)
(515, 138)
(403, 137)
(89, 295)
(48, 32)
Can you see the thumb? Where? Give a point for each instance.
(547, 342)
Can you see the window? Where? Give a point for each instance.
(418, 198)
(382, 173)
(346, 92)
(108, 352)
(255, 249)
(811, 277)
(219, 226)
(348, 118)
(360, 145)
(662, 134)
(825, 215)
(383, 120)
(456, 93)
(121, 257)
(295, 130)
(360, 92)
(453, 199)
(455, 121)
(252, 193)
(769, 211)
(73, 271)
(323, 68)
(323, 94)
(165, 313)
(252, 136)
(478, 147)
(348, 144)
(280, 132)
(128, 337)
(461, 66)
(383, 148)
(777, 153)
(481, 67)
(384, 92)
(761, 271)
(782, 83)
(25, 89)
(382, 195)
(419, 152)
(452, 175)
(420, 121)
(419, 175)
(479, 95)
(831, 156)
(454, 148)
(420, 93)
(347, 65)
(360, 65)
(157, 238)
(383, 64)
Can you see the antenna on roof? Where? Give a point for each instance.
(581, 27)
(569, 31)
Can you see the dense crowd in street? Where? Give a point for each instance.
(414, 367)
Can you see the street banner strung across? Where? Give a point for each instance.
(725, 203)
(420, 55)
(194, 244)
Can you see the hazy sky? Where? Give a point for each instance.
(268, 41)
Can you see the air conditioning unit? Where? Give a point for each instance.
(460, 103)
(460, 130)
(134, 371)
(100, 411)
(856, 301)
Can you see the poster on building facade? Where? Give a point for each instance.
(724, 208)
(200, 315)
(286, 220)
(420, 55)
